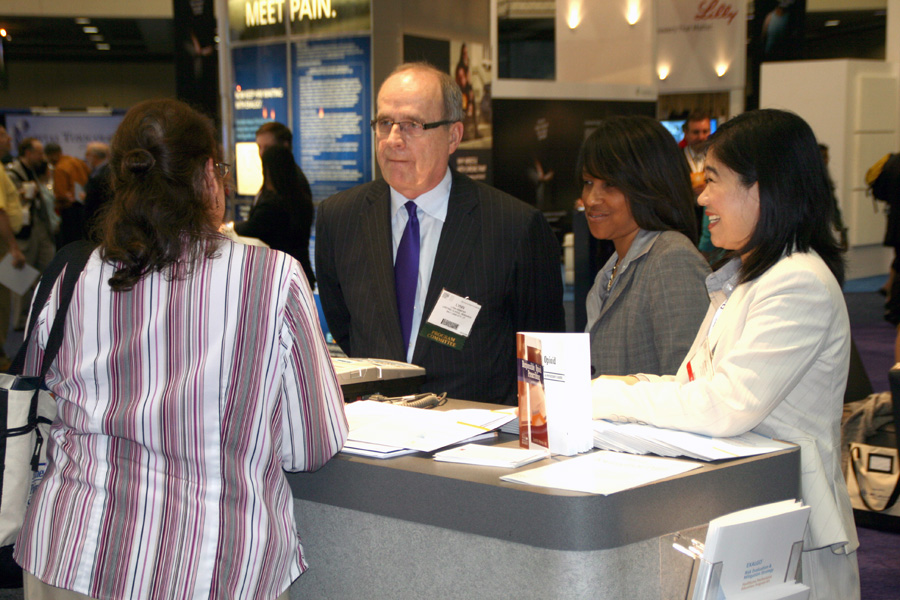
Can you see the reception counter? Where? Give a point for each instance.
(412, 527)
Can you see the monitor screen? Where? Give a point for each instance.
(674, 127)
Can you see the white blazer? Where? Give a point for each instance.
(771, 356)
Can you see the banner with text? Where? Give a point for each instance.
(332, 91)
(260, 95)
(701, 45)
(71, 131)
(260, 19)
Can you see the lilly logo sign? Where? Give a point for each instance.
(709, 10)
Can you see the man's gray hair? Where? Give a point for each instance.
(98, 150)
(450, 92)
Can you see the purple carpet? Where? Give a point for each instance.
(879, 551)
(879, 564)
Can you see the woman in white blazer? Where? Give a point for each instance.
(773, 352)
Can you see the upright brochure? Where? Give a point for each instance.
(755, 547)
(532, 401)
(555, 391)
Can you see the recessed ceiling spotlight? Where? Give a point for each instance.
(832, 23)
(91, 29)
(82, 21)
(102, 46)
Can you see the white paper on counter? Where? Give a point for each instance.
(602, 472)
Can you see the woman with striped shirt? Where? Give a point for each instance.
(193, 371)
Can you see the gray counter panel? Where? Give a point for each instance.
(471, 499)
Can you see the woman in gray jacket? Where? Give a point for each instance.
(649, 298)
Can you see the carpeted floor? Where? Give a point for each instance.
(879, 564)
(879, 551)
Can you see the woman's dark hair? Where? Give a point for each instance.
(778, 150)
(159, 218)
(637, 155)
(280, 173)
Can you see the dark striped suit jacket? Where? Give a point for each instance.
(494, 250)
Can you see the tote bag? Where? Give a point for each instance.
(873, 477)
(27, 410)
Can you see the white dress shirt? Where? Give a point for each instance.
(432, 212)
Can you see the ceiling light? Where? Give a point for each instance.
(97, 38)
(633, 12)
(90, 29)
(102, 46)
(573, 20)
(82, 21)
(832, 23)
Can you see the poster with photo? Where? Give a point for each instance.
(535, 149)
(469, 64)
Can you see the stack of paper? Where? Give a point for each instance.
(383, 430)
(646, 439)
(756, 549)
(491, 456)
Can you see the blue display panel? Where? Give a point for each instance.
(260, 88)
(332, 91)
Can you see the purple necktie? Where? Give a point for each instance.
(406, 272)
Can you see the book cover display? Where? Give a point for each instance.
(554, 391)
(532, 405)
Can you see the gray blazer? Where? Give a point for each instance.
(654, 308)
(494, 249)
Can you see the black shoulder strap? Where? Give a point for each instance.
(75, 255)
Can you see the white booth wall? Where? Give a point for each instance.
(852, 107)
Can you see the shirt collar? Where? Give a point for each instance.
(722, 283)
(695, 155)
(434, 202)
(640, 246)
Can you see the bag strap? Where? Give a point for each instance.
(75, 256)
(854, 458)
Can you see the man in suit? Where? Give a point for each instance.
(474, 242)
(97, 191)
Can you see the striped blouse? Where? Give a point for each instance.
(180, 404)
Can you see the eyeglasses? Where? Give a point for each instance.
(222, 169)
(383, 127)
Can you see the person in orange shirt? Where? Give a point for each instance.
(68, 172)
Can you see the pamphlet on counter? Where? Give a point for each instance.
(554, 379)
(492, 456)
(756, 547)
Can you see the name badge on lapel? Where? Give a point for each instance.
(451, 320)
(700, 364)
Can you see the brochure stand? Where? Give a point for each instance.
(704, 580)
